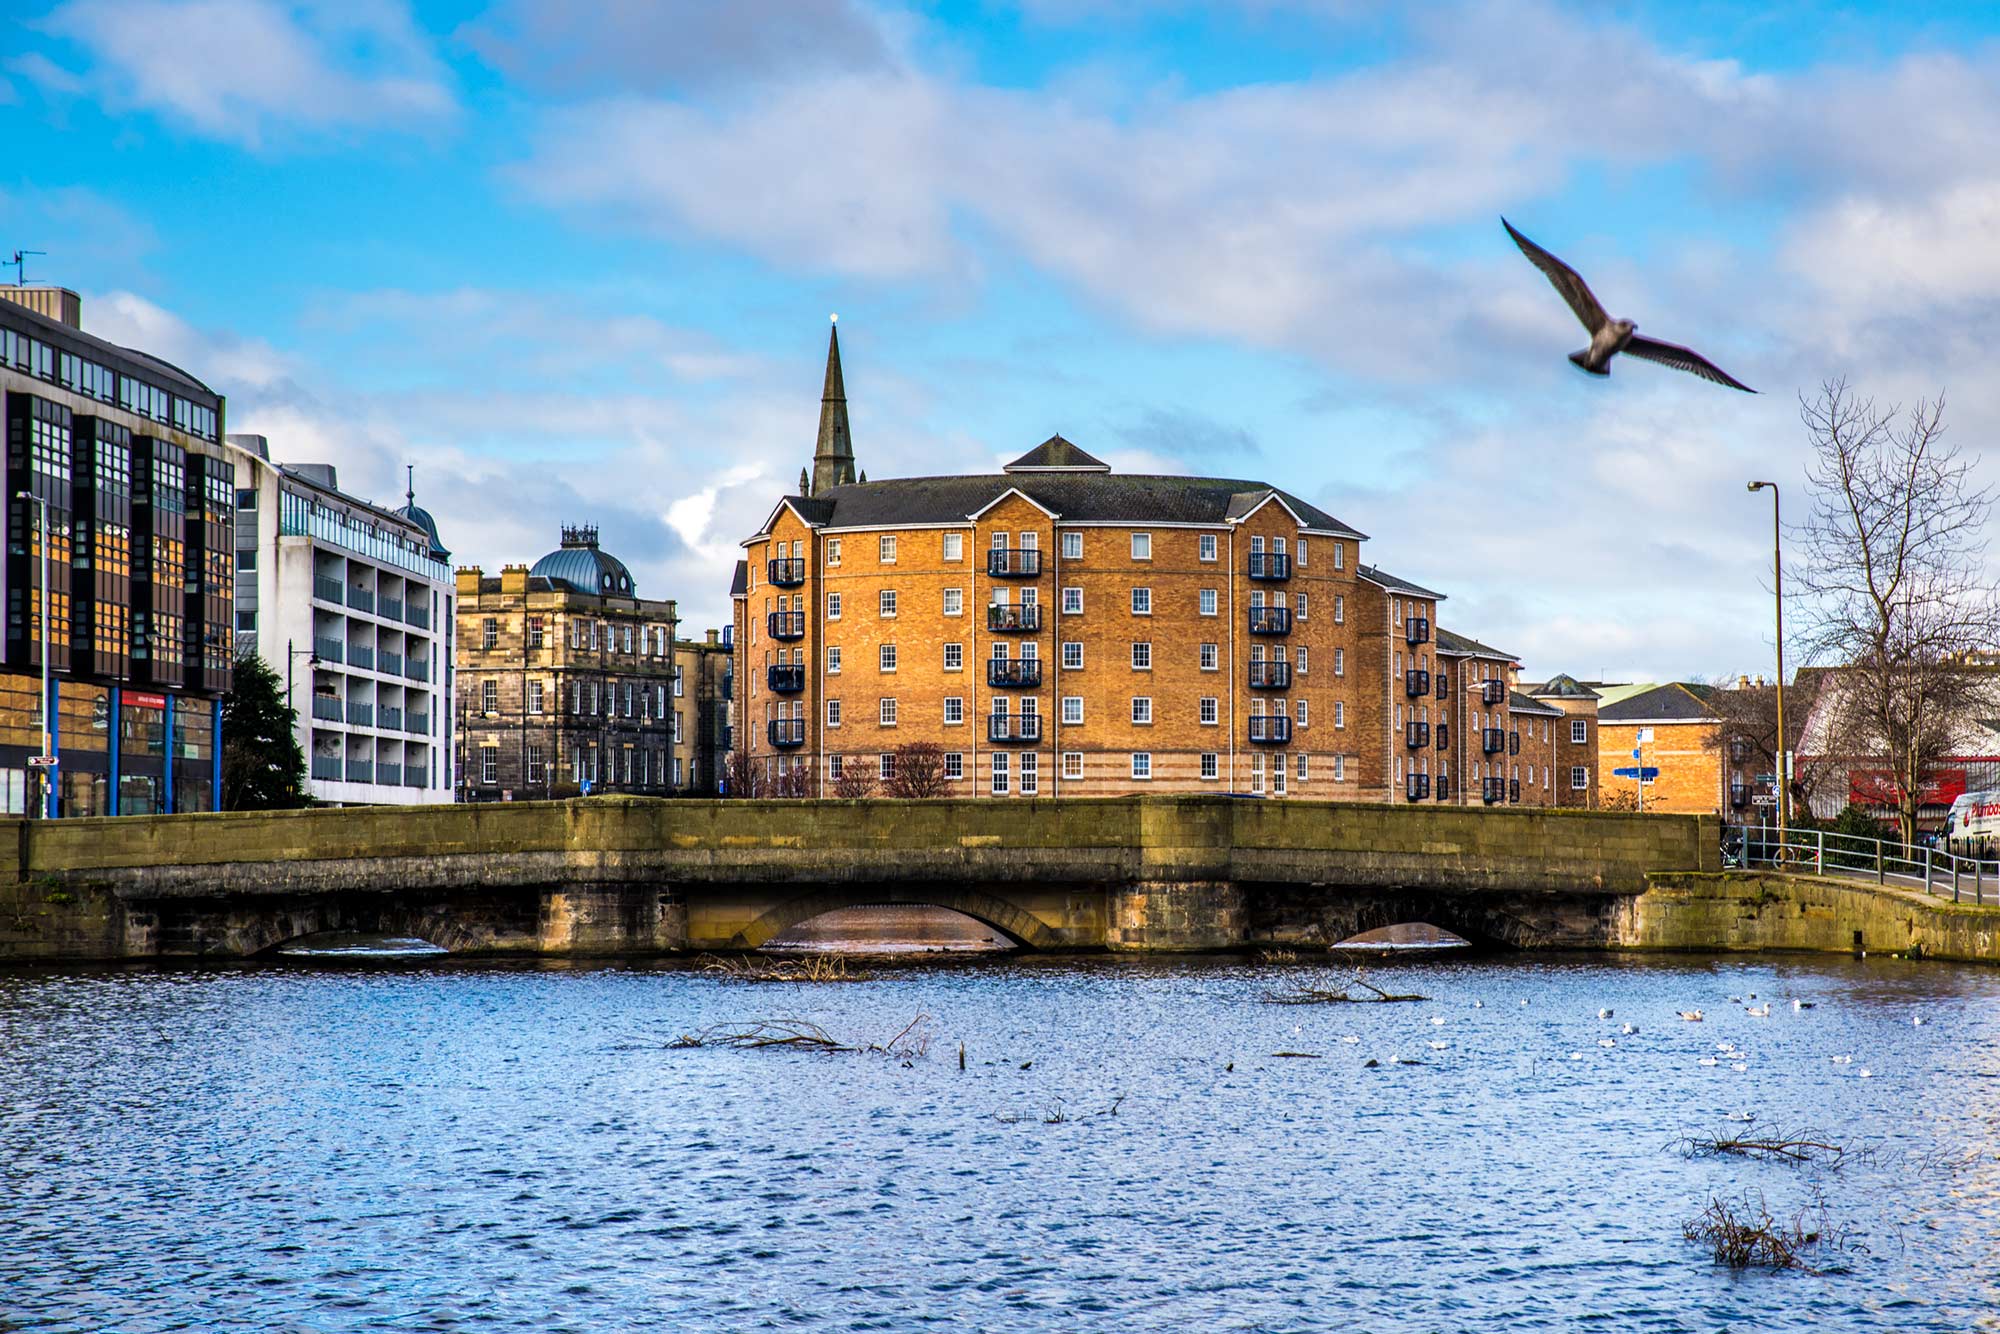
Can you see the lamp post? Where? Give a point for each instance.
(1778, 592)
(311, 655)
(48, 721)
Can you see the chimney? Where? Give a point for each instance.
(1743, 682)
(56, 303)
(714, 638)
(468, 582)
(514, 579)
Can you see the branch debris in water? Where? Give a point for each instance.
(913, 1041)
(1744, 1234)
(812, 968)
(1327, 996)
(1804, 1146)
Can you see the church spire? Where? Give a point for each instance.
(833, 458)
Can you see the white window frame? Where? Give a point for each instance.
(1142, 546)
(1072, 764)
(833, 551)
(1340, 662)
(1000, 781)
(885, 658)
(833, 606)
(832, 660)
(1207, 547)
(1211, 767)
(1579, 732)
(954, 657)
(833, 713)
(954, 710)
(886, 712)
(1072, 711)
(1339, 715)
(1072, 545)
(1142, 655)
(885, 549)
(1210, 711)
(954, 766)
(953, 547)
(954, 602)
(1142, 601)
(1142, 766)
(1072, 661)
(1142, 710)
(1579, 778)
(1211, 658)
(1210, 601)
(885, 604)
(1072, 601)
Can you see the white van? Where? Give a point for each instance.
(1972, 829)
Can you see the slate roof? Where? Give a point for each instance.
(1459, 646)
(1375, 574)
(1520, 703)
(739, 582)
(1675, 702)
(1563, 687)
(1057, 453)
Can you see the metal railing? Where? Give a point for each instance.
(1014, 727)
(327, 708)
(785, 678)
(1417, 630)
(1014, 673)
(417, 669)
(1270, 675)
(1270, 728)
(1275, 565)
(787, 732)
(360, 771)
(328, 589)
(419, 724)
(361, 656)
(329, 650)
(326, 767)
(1270, 620)
(392, 663)
(1416, 735)
(388, 772)
(1416, 683)
(361, 599)
(392, 719)
(1492, 740)
(1417, 786)
(390, 609)
(786, 624)
(359, 714)
(1444, 743)
(788, 572)
(1493, 692)
(1008, 618)
(1014, 562)
(420, 616)
(1938, 872)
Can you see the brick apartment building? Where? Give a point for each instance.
(1674, 728)
(1058, 628)
(1576, 753)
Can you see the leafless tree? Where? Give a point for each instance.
(1747, 734)
(795, 781)
(919, 771)
(743, 776)
(855, 781)
(1896, 585)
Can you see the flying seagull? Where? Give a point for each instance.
(1609, 337)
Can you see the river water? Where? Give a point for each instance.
(449, 1146)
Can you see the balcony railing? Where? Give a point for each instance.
(1270, 675)
(392, 663)
(361, 599)
(1270, 565)
(1513, 743)
(328, 589)
(392, 774)
(360, 771)
(1444, 787)
(1514, 790)
(359, 714)
(1492, 740)
(329, 650)
(1416, 735)
(1417, 787)
(788, 732)
(417, 669)
(1270, 620)
(787, 573)
(1739, 794)
(1014, 563)
(360, 656)
(786, 624)
(419, 615)
(416, 775)
(418, 725)
(1493, 692)
(392, 719)
(1006, 618)
(390, 609)
(1014, 727)
(1443, 685)
(326, 767)
(1272, 728)
(327, 709)
(786, 678)
(1492, 790)
(1417, 629)
(1416, 683)
(1014, 673)
(1444, 739)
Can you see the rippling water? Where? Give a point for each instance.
(450, 1147)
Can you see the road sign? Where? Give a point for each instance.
(42, 761)
(1645, 735)
(1635, 752)
(1763, 798)
(1767, 778)
(1645, 775)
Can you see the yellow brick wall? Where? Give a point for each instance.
(1690, 781)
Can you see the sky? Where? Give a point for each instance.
(576, 262)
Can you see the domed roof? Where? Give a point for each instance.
(421, 517)
(582, 568)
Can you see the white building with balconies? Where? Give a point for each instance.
(351, 604)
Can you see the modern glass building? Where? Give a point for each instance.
(123, 453)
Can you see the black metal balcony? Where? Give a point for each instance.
(787, 573)
(1270, 675)
(1492, 790)
(1444, 787)
(1514, 790)
(1444, 739)
(788, 732)
(1417, 787)
(1443, 684)
(1513, 743)
(1014, 727)
(1014, 673)
(1492, 740)
(786, 679)
(1416, 735)
(1270, 620)
(1005, 618)
(1014, 563)
(1416, 683)
(1493, 692)
(1739, 794)
(1270, 565)
(787, 624)
(1270, 728)
(1417, 629)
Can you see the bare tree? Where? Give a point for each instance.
(795, 781)
(1896, 584)
(743, 776)
(855, 781)
(1747, 731)
(919, 771)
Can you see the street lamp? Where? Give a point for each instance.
(48, 722)
(311, 655)
(1778, 592)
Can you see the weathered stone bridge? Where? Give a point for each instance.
(632, 876)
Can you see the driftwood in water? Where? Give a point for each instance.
(1327, 996)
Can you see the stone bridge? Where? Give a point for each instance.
(608, 876)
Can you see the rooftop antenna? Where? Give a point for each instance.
(20, 263)
(411, 494)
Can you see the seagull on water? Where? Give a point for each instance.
(1609, 337)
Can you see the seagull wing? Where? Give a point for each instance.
(1682, 359)
(1574, 290)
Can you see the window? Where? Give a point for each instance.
(1340, 662)
(1072, 601)
(1142, 602)
(489, 764)
(1210, 714)
(1302, 562)
(1072, 710)
(1305, 718)
(537, 765)
(1339, 761)
(954, 602)
(1072, 655)
(1339, 715)
(887, 657)
(1339, 556)
(534, 697)
(1208, 657)
(833, 661)
(833, 713)
(1030, 773)
(888, 602)
(1301, 765)
(489, 632)
(1207, 553)
(885, 765)
(489, 697)
(1579, 778)
(1000, 771)
(833, 606)
(1211, 766)
(1072, 546)
(1142, 710)
(1142, 657)
(833, 551)
(1579, 731)
(1142, 548)
(954, 765)
(885, 549)
(576, 697)
(888, 716)
(1072, 764)
(534, 632)
(1142, 764)
(836, 765)
(1303, 660)
(1208, 602)
(954, 546)
(954, 657)
(954, 710)
(1302, 606)
(628, 649)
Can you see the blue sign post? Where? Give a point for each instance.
(1645, 775)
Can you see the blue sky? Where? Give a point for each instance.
(575, 262)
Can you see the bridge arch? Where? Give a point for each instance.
(1019, 926)
(268, 932)
(1476, 919)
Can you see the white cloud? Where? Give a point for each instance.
(249, 70)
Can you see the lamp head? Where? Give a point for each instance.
(1758, 486)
